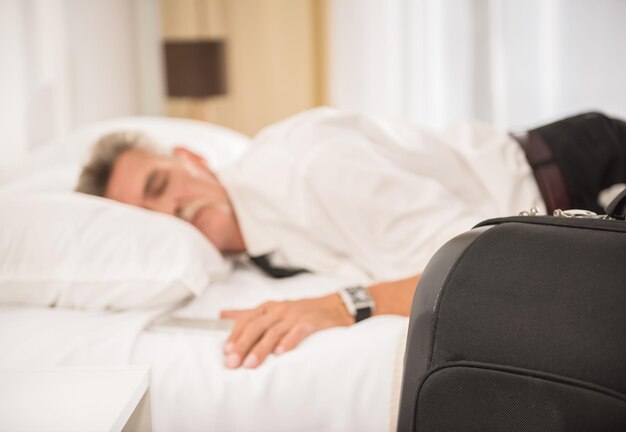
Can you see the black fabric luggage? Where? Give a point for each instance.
(520, 325)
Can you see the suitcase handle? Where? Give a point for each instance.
(617, 208)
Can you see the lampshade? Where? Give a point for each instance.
(196, 68)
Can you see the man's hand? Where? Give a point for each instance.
(277, 327)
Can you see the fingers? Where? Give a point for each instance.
(236, 313)
(266, 345)
(242, 318)
(232, 314)
(277, 327)
(248, 331)
(294, 336)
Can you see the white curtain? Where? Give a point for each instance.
(64, 63)
(33, 79)
(508, 62)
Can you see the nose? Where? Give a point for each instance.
(163, 205)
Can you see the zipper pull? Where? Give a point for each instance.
(575, 213)
(532, 212)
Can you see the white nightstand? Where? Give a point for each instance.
(75, 399)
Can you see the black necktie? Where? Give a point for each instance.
(263, 262)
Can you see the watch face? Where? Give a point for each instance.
(360, 297)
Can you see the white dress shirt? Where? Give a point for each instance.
(370, 199)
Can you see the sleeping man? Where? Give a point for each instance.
(359, 198)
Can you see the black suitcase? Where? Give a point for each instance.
(520, 325)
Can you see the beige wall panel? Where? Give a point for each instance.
(271, 55)
(320, 34)
(179, 19)
(211, 19)
(210, 110)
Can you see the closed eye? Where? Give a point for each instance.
(156, 184)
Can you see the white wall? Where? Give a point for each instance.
(65, 63)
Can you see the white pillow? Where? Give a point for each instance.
(73, 250)
(55, 166)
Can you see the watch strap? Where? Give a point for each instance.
(363, 313)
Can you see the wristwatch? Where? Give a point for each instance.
(358, 302)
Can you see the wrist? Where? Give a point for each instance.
(339, 309)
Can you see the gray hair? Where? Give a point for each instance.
(95, 175)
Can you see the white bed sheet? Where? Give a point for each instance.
(33, 337)
(337, 380)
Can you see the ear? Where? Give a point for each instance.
(192, 157)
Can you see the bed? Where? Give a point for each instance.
(338, 380)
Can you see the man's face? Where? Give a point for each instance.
(180, 185)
